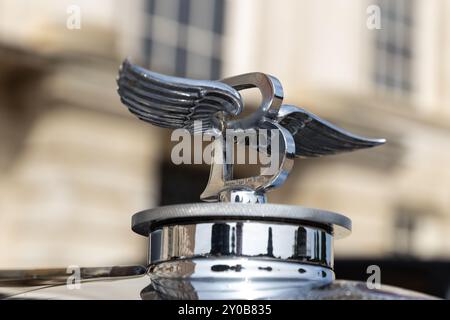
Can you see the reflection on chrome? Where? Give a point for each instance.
(233, 278)
(238, 260)
(242, 239)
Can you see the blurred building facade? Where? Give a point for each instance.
(391, 82)
(74, 165)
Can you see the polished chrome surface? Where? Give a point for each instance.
(144, 221)
(221, 175)
(234, 278)
(317, 137)
(220, 178)
(40, 277)
(177, 103)
(124, 288)
(271, 93)
(284, 290)
(13, 283)
(242, 196)
(236, 250)
(173, 102)
(269, 241)
(235, 257)
(137, 288)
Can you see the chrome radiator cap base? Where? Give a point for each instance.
(143, 221)
(238, 251)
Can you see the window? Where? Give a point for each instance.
(393, 46)
(183, 37)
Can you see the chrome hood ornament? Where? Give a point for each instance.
(175, 103)
(239, 247)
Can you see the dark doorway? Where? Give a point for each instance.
(182, 183)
